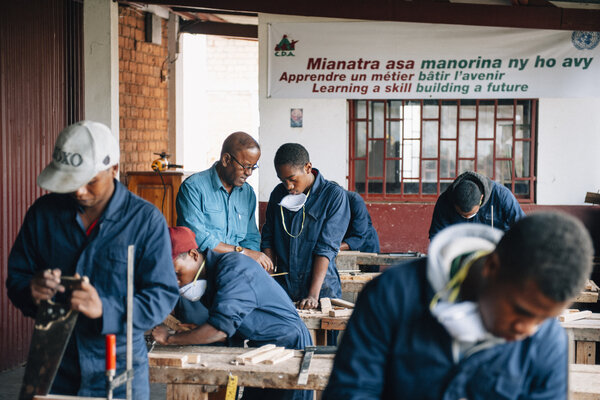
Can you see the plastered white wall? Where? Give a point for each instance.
(568, 150)
(568, 158)
(324, 132)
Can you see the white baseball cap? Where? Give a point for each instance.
(81, 151)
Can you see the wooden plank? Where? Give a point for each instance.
(285, 355)
(325, 304)
(334, 324)
(243, 357)
(341, 303)
(586, 297)
(265, 355)
(574, 316)
(585, 353)
(584, 382)
(341, 313)
(174, 324)
(167, 360)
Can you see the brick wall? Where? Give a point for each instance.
(143, 118)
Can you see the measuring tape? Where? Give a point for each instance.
(231, 390)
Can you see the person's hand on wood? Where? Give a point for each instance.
(308, 303)
(86, 300)
(45, 284)
(161, 334)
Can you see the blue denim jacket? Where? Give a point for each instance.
(361, 235)
(327, 215)
(52, 236)
(204, 206)
(393, 348)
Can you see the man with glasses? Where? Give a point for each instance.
(218, 204)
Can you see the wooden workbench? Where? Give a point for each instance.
(213, 370)
(197, 380)
(584, 335)
(318, 323)
(351, 260)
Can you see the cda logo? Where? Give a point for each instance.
(285, 48)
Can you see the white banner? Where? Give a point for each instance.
(389, 60)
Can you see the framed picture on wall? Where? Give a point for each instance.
(296, 118)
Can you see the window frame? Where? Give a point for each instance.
(420, 196)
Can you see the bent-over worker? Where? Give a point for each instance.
(361, 234)
(244, 302)
(306, 219)
(473, 320)
(219, 205)
(83, 228)
(473, 197)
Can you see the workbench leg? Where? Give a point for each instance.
(585, 352)
(176, 391)
(320, 337)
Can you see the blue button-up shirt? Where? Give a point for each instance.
(361, 235)
(52, 236)
(205, 206)
(320, 232)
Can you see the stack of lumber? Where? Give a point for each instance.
(267, 354)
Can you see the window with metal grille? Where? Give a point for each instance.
(412, 150)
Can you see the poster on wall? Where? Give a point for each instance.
(390, 60)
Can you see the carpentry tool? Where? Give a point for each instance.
(162, 164)
(309, 351)
(279, 274)
(54, 324)
(231, 390)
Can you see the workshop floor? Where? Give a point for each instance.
(10, 384)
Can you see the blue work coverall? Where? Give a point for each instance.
(204, 205)
(506, 208)
(244, 301)
(320, 229)
(393, 348)
(52, 236)
(361, 235)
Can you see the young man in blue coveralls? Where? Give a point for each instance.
(473, 197)
(474, 320)
(306, 219)
(84, 228)
(360, 235)
(244, 302)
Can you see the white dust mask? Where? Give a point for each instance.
(293, 202)
(461, 320)
(194, 290)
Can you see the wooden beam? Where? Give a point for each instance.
(415, 11)
(220, 29)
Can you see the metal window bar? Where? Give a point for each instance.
(529, 110)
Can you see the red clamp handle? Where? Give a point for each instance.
(111, 352)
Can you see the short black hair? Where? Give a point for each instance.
(293, 154)
(466, 195)
(553, 249)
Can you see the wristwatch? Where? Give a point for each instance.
(239, 249)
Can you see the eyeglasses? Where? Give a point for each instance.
(247, 169)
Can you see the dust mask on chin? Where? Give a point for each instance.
(293, 202)
(194, 290)
(461, 320)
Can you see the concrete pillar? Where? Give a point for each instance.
(175, 76)
(101, 62)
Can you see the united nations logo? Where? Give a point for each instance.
(285, 47)
(585, 40)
